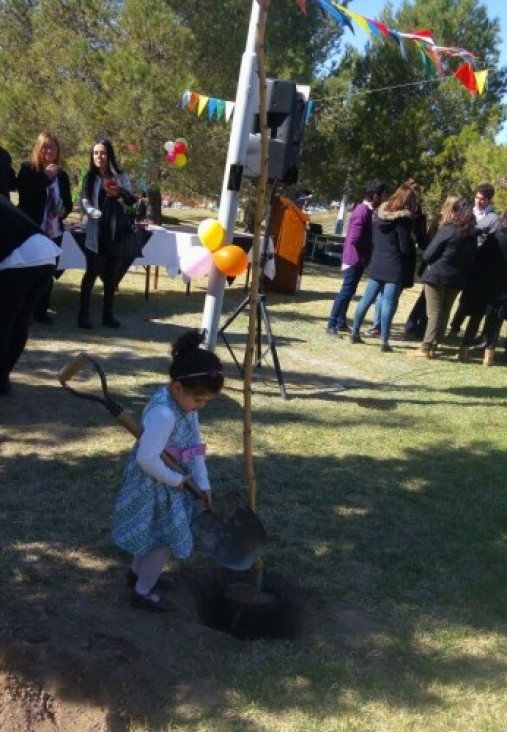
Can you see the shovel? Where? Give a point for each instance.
(235, 542)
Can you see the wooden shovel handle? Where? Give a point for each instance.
(72, 368)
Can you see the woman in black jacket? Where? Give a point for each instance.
(392, 263)
(486, 293)
(449, 258)
(44, 196)
(105, 195)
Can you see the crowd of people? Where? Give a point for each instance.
(464, 250)
(32, 234)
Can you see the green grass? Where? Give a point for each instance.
(381, 483)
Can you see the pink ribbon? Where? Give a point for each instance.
(184, 455)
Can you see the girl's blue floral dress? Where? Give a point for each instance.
(148, 514)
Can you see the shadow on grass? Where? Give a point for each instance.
(385, 551)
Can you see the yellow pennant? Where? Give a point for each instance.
(481, 77)
(202, 104)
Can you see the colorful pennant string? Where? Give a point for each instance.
(218, 109)
(474, 81)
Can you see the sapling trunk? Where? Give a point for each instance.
(254, 280)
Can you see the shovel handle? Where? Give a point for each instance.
(128, 421)
(72, 368)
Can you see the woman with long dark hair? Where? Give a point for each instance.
(44, 196)
(449, 258)
(106, 192)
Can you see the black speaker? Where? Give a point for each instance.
(285, 108)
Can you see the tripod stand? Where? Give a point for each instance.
(262, 317)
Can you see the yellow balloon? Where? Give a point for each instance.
(231, 260)
(180, 160)
(211, 234)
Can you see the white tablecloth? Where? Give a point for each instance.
(164, 248)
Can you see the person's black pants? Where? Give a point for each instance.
(42, 307)
(99, 265)
(20, 290)
(490, 332)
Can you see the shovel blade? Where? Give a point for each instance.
(235, 543)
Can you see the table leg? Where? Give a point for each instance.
(147, 281)
(155, 279)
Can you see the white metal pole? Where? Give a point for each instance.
(246, 98)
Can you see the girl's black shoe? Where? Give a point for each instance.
(151, 603)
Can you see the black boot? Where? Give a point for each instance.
(83, 321)
(109, 321)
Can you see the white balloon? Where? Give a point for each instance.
(169, 146)
(196, 261)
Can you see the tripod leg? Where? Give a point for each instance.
(272, 346)
(243, 304)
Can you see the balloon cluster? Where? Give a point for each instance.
(176, 152)
(229, 259)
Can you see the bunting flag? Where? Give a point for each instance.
(430, 53)
(481, 79)
(465, 74)
(201, 105)
(302, 6)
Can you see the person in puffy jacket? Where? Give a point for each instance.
(449, 259)
(393, 260)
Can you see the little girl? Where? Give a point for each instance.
(153, 511)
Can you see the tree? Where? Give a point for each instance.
(398, 123)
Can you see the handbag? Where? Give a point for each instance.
(125, 240)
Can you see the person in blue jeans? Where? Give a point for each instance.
(392, 263)
(356, 254)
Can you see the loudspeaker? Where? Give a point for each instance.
(285, 108)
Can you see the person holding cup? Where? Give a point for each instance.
(45, 196)
(105, 194)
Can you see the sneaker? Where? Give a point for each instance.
(385, 348)
(479, 342)
(372, 332)
(356, 339)
(344, 329)
(332, 331)
(151, 602)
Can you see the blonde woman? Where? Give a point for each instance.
(417, 319)
(449, 259)
(44, 196)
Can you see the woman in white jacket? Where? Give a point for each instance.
(106, 191)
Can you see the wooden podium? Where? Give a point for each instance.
(289, 226)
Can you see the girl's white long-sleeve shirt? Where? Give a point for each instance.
(158, 424)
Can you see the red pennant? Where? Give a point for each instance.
(301, 5)
(465, 75)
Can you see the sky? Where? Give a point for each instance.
(373, 9)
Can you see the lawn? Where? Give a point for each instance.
(383, 491)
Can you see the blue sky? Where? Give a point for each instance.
(373, 9)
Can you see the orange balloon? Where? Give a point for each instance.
(231, 260)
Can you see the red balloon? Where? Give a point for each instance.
(180, 148)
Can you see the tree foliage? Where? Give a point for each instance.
(119, 67)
